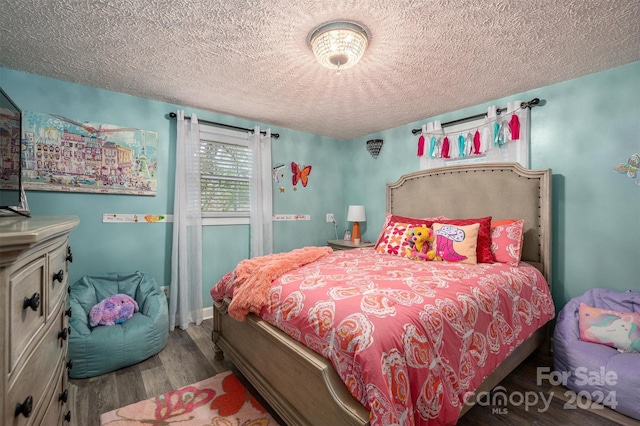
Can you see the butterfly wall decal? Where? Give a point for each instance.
(300, 174)
(631, 168)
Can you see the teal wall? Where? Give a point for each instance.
(586, 127)
(108, 247)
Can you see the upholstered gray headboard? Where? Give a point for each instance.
(499, 190)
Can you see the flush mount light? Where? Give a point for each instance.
(338, 45)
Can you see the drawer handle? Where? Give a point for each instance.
(68, 312)
(33, 302)
(62, 398)
(59, 276)
(69, 257)
(25, 408)
(69, 364)
(67, 417)
(64, 333)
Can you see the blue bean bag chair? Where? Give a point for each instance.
(101, 349)
(608, 375)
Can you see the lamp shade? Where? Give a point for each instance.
(356, 214)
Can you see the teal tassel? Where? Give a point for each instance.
(432, 147)
(497, 135)
(461, 152)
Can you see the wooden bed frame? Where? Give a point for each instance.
(302, 386)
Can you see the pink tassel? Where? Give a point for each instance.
(514, 126)
(421, 146)
(445, 147)
(476, 143)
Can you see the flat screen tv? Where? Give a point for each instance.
(10, 155)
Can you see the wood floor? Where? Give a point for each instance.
(188, 358)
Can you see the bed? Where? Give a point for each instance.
(305, 388)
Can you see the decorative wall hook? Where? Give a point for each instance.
(631, 168)
(374, 146)
(533, 102)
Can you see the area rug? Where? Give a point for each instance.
(220, 400)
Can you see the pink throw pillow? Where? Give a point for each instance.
(506, 241)
(620, 330)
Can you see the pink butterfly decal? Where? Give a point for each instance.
(300, 174)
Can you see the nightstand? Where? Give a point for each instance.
(347, 245)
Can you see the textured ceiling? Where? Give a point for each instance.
(250, 58)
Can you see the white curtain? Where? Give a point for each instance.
(261, 217)
(185, 302)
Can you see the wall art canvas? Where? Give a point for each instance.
(61, 154)
(9, 148)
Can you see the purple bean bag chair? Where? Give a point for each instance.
(606, 374)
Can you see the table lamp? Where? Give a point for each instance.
(356, 214)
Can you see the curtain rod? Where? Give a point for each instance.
(228, 126)
(533, 102)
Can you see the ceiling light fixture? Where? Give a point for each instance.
(338, 45)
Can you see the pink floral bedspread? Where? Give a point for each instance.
(411, 340)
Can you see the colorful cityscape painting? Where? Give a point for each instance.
(60, 154)
(9, 149)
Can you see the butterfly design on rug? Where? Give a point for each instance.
(300, 174)
(631, 168)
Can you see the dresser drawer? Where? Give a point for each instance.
(35, 378)
(26, 283)
(57, 279)
(58, 405)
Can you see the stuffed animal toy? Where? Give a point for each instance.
(420, 244)
(113, 310)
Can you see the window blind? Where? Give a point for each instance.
(225, 175)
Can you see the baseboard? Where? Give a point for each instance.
(207, 313)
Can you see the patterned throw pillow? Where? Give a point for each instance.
(506, 241)
(394, 239)
(620, 330)
(483, 249)
(455, 243)
(387, 240)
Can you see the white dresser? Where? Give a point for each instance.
(34, 258)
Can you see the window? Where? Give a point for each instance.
(224, 181)
(225, 174)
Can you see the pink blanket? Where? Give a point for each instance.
(411, 340)
(252, 277)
